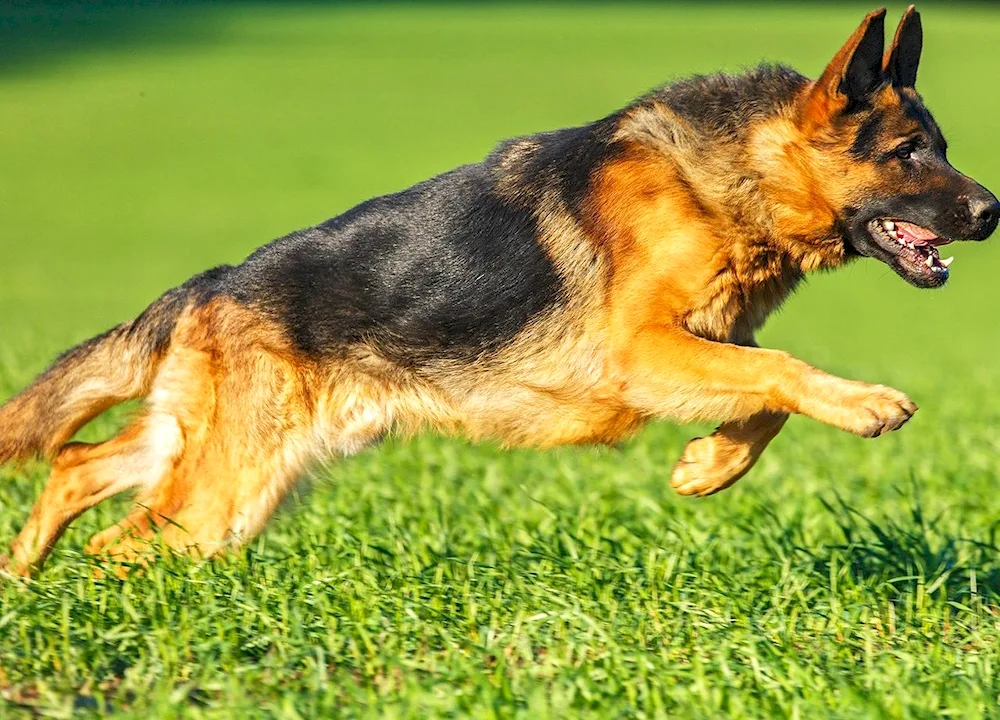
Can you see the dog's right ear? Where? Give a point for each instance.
(903, 56)
(855, 71)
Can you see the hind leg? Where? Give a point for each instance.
(205, 513)
(129, 539)
(250, 430)
(220, 495)
(85, 475)
(254, 414)
(713, 463)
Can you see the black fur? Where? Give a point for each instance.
(728, 105)
(454, 268)
(447, 268)
(864, 70)
(865, 143)
(905, 56)
(563, 161)
(914, 107)
(863, 147)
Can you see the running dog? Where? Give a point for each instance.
(571, 287)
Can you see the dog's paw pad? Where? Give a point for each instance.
(703, 470)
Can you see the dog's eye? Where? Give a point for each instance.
(904, 151)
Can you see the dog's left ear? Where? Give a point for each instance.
(903, 56)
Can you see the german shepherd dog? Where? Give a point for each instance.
(569, 288)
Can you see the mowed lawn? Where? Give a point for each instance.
(843, 577)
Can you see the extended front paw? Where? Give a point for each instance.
(881, 410)
(863, 409)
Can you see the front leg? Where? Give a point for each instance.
(667, 371)
(713, 463)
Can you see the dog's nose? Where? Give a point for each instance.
(985, 209)
(983, 213)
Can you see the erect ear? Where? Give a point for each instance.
(903, 56)
(855, 71)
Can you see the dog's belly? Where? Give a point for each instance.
(533, 418)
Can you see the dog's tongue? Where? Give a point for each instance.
(909, 231)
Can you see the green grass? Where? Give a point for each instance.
(842, 578)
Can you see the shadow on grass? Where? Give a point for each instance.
(38, 33)
(908, 557)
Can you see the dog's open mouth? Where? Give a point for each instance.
(914, 249)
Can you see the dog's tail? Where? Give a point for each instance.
(111, 368)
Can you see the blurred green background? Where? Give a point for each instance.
(141, 143)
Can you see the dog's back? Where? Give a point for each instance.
(446, 270)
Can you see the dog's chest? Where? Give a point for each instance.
(554, 391)
(740, 297)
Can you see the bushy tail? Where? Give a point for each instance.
(83, 382)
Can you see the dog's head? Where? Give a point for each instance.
(878, 162)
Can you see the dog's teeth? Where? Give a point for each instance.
(889, 225)
(930, 261)
(947, 261)
(893, 235)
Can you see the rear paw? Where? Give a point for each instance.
(99, 542)
(706, 467)
(12, 570)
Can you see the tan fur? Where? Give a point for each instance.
(86, 385)
(713, 463)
